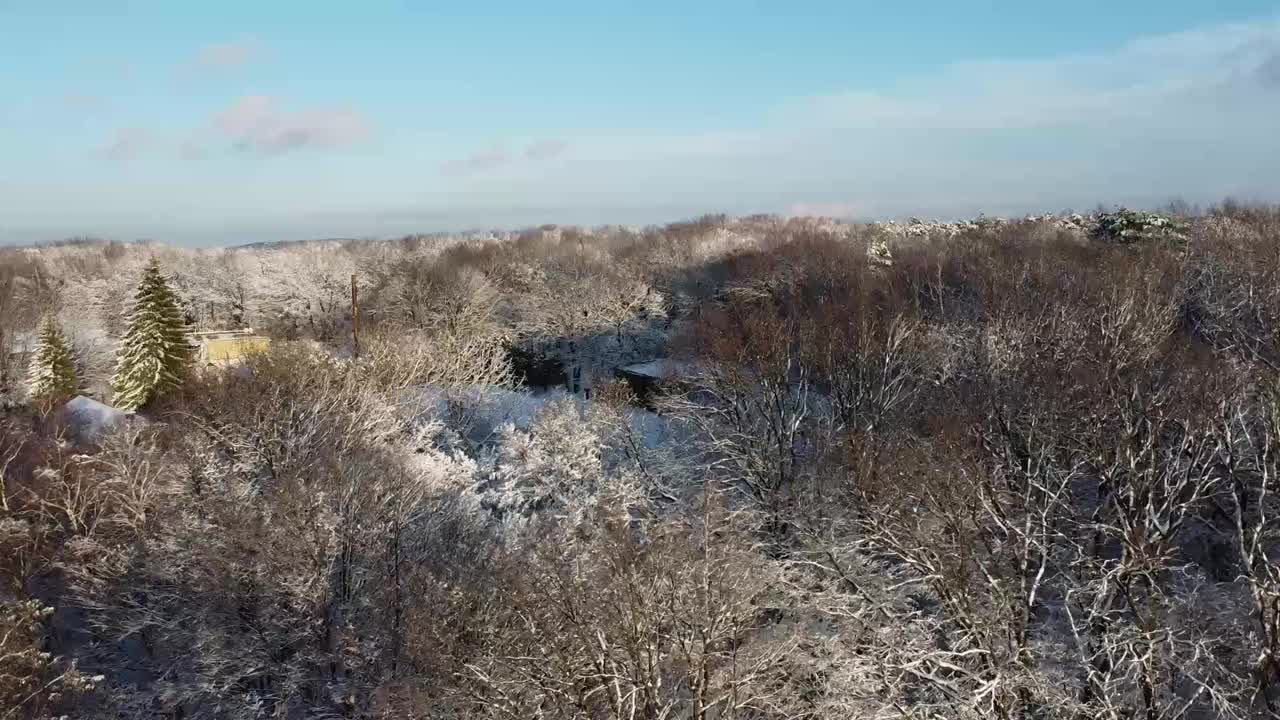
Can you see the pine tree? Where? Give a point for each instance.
(156, 351)
(52, 374)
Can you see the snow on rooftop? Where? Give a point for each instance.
(89, 418)
(662, 369)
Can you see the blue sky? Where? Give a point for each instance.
(229, 122)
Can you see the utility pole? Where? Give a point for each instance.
(355, 318)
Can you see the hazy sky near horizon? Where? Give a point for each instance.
(231, 122)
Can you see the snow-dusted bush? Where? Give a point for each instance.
(554, 467)
(1129, 226)
(34, 682)
(918, 228)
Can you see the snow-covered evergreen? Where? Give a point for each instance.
(157, 350)
(52, 374)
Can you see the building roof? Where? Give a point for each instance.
(87, 418)
(662, 369)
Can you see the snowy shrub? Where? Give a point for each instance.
(439, 459)
(554, 467)
(878, 252)
(1129, 226)
(33, 681)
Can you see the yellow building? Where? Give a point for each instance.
(228, 347)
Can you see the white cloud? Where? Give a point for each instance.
(1186, 115)
(544, 149)
(497, 156)
(191, 149)
(82, 101)
(227, 56)
(482, 160)
(1269, 72)
(1178, 78)
(259, 123)
(128, 143)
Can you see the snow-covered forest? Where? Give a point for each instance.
(733, 468)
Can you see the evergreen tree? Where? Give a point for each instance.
(52, 374)
(156, 351)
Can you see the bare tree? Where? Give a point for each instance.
(661, 624)
(1248, 447)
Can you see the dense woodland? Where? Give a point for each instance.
(1022, 469)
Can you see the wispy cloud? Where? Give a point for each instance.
(488, 159)
(497, 156)
(191, 149)
(1153, 79)
(1181, 115)
(82, 101)
(1269, 71)
(226, 56)
(261, 124)
(128, 143)
(544, 149)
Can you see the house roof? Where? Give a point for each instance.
(662, 369)
(89, 418)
